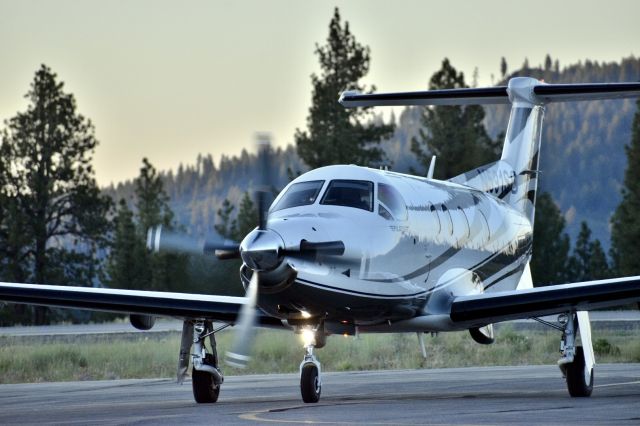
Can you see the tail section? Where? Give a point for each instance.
(514, 178)
(522, 144)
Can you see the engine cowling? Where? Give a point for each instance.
(142, 322)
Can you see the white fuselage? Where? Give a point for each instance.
(438, 240)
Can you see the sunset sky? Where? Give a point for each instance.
(169, 80)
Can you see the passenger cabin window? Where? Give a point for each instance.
(349, 193)
(391, 203)
(300, 194)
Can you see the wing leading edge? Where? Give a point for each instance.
(178, 305)
(490, 308)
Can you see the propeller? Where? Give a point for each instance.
(239, 355)
(265, 185)
(159, 240)
(262, 250)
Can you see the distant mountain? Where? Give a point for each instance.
(582, 159)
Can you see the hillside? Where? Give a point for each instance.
(582, 159)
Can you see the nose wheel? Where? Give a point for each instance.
(310, 386)
(310, 382)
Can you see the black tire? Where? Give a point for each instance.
(205, 390)
(576, 380)
(310, 384)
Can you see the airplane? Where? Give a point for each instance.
(346, 249)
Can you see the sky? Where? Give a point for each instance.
(169, 80)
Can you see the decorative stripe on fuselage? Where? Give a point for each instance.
(362, 293)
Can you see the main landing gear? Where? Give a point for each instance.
(310, 381)
(206, 376)
(577, 362)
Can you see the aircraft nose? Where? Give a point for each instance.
(261, 249)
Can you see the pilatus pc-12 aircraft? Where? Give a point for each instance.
(348, 249)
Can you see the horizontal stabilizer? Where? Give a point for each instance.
(485, 95)
(490, 308)
(586, 92)
(542, 94)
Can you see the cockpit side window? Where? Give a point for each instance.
(299, 194)
(349, 193)
(390, 198)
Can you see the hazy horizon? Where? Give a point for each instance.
(169, 80)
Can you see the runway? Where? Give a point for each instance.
(461, 396)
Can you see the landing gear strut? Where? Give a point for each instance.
(577, 362)
(206, 377)
(310, 381)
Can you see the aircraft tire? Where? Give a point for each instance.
(205, 390)
(576, 377)
(310, 384)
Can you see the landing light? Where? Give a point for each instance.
(305, 314)
(308, 336)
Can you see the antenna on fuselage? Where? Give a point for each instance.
(432, 167)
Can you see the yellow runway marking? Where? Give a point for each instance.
(255, 416)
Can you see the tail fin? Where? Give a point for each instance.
(514, 178)
(522, 144)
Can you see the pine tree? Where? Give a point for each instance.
(625, 232)
(54, 218)
(598, 265)
(247, 218)
(126, 266)
(227, 226)
(550, 243)
(152, 201)
(166, 271)
(588, 260)
(236, 227)
(579, 262)
(130, 264)
(455, 134)
(503, 67)
(547, 63)
(337, 135)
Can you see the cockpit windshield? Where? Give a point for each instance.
(300, 194)
(349, 193)
(391, 203)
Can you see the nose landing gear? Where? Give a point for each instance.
(310, 381)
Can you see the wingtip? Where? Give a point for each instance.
(347, 93)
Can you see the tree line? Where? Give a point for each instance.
(58, 227)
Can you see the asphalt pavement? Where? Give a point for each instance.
(531, 395)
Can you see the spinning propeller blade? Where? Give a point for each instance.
(263, 192)
(159, 240)
(240, 353)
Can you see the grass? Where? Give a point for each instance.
(150, 355)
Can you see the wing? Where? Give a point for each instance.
(155, 303)
(490, 308)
